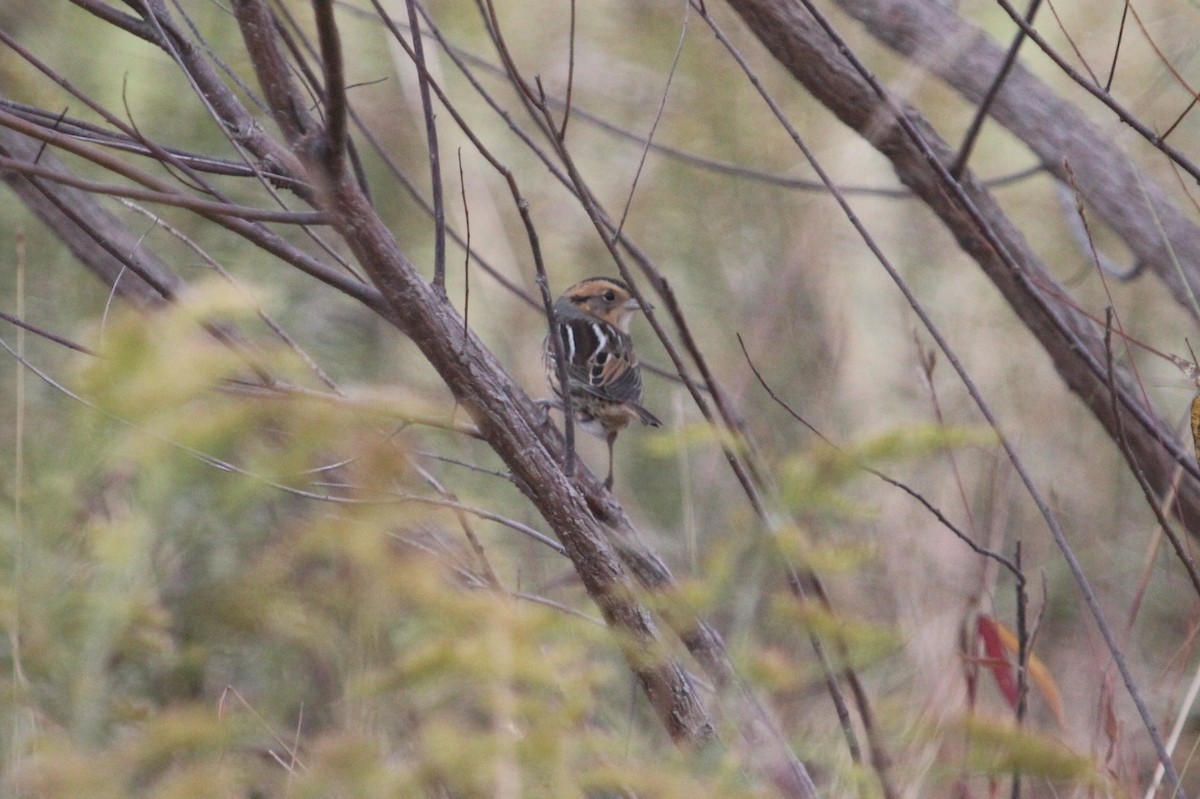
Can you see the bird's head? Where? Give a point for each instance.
(604, 298)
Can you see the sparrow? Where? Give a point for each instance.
(604, 380)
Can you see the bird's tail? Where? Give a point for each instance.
(645, 417)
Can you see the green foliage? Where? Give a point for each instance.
(172, 628)
(998, 747)
(813, 480)
(854, 643)
(193, 615)
(177, 630)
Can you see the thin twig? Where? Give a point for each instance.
(1097, 91)
(978, 549)
(334, 93)
(1112, 69)
(435, 157)
(1022, 661)
(98, 134)
(462, 186)
(169, 197)
(460, 514)
(46, 334)
(1069, 198)
(1071, 41)
(562, 131)
(956, 190)
(1010, 58)
(252, 231)
(275, 327)
(464, 464)
(662, 105)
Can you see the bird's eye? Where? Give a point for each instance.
(610, 295)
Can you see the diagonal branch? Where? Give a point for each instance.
(806, 44)
(334, 95)
(80, 222)
(286, 101)
(1068, 336)
(985, 106)
(1123, 196)
(171, 198)
(435, 157)
(507, 419)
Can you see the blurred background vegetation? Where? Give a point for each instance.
(181, 622)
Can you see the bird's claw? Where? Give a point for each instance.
(546, 405)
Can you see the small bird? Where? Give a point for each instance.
(603, 376)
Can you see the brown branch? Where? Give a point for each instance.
(508, 421)
(46, 334)
(252, 231)
(506, 417)
(1112, 69)
(985, 105)
(809, 47)
(80, 222)
(435, 157)
(241, 127)
(285, 100)
(171, 198)
(99, 135)
(390, 163)
(1123, 196)
(978, 549)
(334, 94)
(162, 155)
(566, 117)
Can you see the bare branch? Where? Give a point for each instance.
(82, 224)
(172, 198)
(1010, 58)
(334, 144)
(507, 419)
(978, 549)
(435, 157)
(43, 333)
(809, 47)
(1129, 201)
(286, 103)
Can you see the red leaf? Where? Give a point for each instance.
(997, 659)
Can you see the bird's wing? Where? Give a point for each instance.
(600, 358)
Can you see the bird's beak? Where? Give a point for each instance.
(634, 305)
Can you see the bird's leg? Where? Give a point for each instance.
(608, 481)
(546, 405)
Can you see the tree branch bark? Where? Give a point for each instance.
(1129, 201)
(1069, 338)
(92, 234)
(506, 417)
